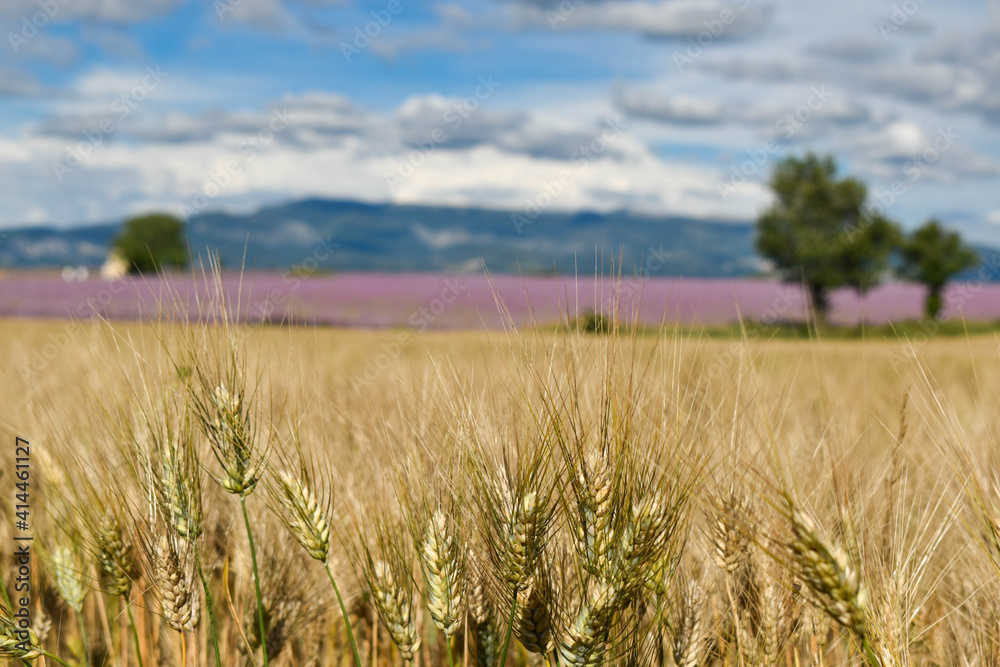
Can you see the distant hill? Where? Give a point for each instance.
(352, 236)
(367, 237)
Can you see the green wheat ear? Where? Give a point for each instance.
(828, 573)
(13, 645)
(68, 575)
(115, 557)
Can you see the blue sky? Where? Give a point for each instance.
(112, 107)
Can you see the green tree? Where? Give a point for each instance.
(932, 256)
(152, 242)
(820, 233)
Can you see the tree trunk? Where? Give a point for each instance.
(819, 303)
(933, 301)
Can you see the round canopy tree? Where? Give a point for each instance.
(932, 256)
(820, 233)
(152, 242)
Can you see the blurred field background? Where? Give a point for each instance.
(468, 301)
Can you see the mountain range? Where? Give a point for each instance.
(354, 236)
(333, 235)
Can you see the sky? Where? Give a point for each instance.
(673, 107)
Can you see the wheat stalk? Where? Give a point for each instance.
(115, 558)
(68, 576)
(179, 599)
(176, 483)
(533, 622)
(226, 420)
(594, 486)
(392, 594)
(305, 517)
(585, 642)
(486, 629)
(442, 563)
(17, 642)
(828, 573)
(730, 531)
(688, 627)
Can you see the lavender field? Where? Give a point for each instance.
(437, 301)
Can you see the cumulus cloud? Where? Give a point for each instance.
(111, 11)
(17, 83)
(939, 154)
(821, 107)
(889, 96)
(683, 110)
(487, 158)
(762, 71)
(653, 18)
(853, 49)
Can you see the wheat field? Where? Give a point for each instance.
(211, 494)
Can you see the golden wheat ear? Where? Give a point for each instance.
(384, 555)
(180, 599)
(442, 561)
(304, 513)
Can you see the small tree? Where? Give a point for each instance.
(932, 256)
(819, 232)
(152, 242)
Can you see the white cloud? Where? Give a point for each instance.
(112, 11)
(653, 18)
(501, 160)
